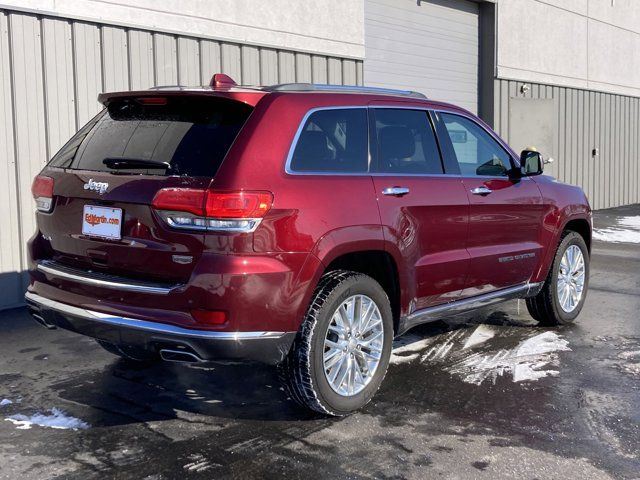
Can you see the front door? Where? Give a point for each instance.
(423, 212)
(505, 212)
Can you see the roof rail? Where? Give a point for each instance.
(316, 87)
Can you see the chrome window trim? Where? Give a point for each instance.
(111, 284)
(425, 108)
(153, 327)
(294, 143)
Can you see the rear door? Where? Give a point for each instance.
(424, 212)
(106, 177)
(505, 212)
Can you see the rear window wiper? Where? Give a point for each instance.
(134, 163)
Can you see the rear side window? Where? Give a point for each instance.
(171, 136)
(406, 142)
(333, 140)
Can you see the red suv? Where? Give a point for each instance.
(300, 225)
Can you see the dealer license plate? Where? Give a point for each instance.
(103, 222)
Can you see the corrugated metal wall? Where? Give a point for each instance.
(51, 71)
(586, 119)
(430, 47)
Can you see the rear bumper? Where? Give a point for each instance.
(262, 346)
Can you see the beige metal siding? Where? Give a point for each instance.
(431, 47)
(10, 247)
(586, 120)
(51, 71)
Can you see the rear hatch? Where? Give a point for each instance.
(106, 177)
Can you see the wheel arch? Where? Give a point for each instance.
(579, 224)
(377, 264)
(362, 248)
(582, 227)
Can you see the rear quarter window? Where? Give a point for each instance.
(332, 141)
(183, 135)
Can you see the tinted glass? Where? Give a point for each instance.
(476, 151)
(406, 142)
(333, 141)
(184, 136)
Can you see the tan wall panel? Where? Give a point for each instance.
(209, 60)
(58, 83)
(29, 114)
(165, 51)
(10, 255)
(115, 59)
(140, 52)
(188, 61)
(88, 70)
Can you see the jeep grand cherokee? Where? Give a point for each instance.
(299, 225)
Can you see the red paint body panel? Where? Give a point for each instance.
(503, 237)
(562, 203)
(428, 231)
(446, 243)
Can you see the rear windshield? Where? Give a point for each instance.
(171, 136)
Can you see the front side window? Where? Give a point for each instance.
(477, 153)
(406, 143)
(333, 140)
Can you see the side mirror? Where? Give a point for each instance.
(531, 163)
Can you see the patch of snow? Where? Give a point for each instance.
(414, 347)
(631, 222)
(616, 235)
(624, 355)
(525, 362)
(5, 401)
(398, 359)
(481, 334)
(56, 419)
(627, 231)
(440, 352)
(407, 348)
(198, 463)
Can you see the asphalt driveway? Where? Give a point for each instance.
(488, 395)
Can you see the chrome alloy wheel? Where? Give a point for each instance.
(353, 345)
(571, 276)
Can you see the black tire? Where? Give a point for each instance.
(129, 353)
(545, 306)
(302, 372)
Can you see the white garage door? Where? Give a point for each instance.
(427, 46)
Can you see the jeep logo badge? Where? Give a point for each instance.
(99, 187)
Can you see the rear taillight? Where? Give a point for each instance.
(238, 204)
(42, 190)
(196, 209)
(188, 200)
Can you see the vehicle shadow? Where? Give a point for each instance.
(123, 392)
(126, 393)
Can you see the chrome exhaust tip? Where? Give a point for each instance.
(179, 356)
(40, 319)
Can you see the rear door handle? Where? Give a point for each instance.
(481, 190)
(395, 191)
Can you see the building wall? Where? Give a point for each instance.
(584, 120)
(328, 27)
(51, 71)
(581, 56)
(586, 44)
